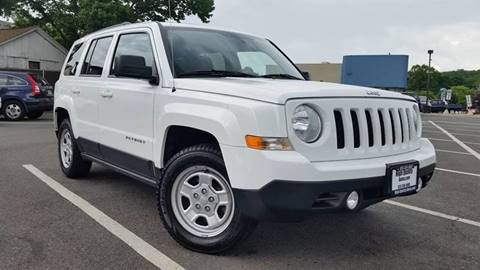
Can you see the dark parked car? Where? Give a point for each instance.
(438, 106)
(452, 107)
(22, 96)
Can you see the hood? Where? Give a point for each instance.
(279, 91)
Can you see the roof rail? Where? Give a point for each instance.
(112, 26)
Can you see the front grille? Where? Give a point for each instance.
(359, 128)
(367, 127)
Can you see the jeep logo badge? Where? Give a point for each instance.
(373, 93)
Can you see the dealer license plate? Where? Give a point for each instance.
(403, 177)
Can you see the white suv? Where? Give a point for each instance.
(229, 132)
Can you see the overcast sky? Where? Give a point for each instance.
(313, 31)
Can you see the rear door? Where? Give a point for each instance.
(126, 108)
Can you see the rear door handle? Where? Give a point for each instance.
(106, 94)
(76, 92)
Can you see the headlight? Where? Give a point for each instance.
(307, 123)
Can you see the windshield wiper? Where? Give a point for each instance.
(280, 76)
(215, 73)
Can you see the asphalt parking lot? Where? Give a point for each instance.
(39, 229)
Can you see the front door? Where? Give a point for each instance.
(126, 109)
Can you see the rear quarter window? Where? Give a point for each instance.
(73, 60)
(15, 81)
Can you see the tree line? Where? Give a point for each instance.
(462, 82)
(68, 20)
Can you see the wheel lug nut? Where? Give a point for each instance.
(195, 195)
(197, 206)
(204, 191)
(207, 208)
(211, 199)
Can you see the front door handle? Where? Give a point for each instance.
(76, 92)
(106, 94)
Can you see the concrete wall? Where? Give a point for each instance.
(31, 47)
(324, 72)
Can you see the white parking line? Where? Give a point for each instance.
(458, 123)
(434, 213)
(441, 140)
(454, 133)
(458, 172)
(143, 248)
(463, 145)
(445, 140)
(452, 152)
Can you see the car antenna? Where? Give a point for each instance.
(171, 46)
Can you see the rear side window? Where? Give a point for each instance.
(97, 53)
(14, 81)
(73, 60)
(3, 80)
(136, 44)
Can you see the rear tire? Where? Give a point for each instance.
(35, 115)
(13, 110)
(209, 222)
(71, 160)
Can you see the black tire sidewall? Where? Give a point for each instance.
(216, 244)
(78, 166)
(4, 108)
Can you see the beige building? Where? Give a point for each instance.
(324, 72)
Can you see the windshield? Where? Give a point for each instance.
(212, 53)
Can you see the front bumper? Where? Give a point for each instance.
(294, 201)
(277, 185)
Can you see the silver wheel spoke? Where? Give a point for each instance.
(204, 178)
(213, 221)
(187, 190)
(190, 214)
(223, 198)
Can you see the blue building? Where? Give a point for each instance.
(379, 71)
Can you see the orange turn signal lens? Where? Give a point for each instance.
(266, 143)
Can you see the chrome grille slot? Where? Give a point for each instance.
(369, 128)
(356, 129)
(340, 129)
(382, 127)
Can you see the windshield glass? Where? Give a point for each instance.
(212, 53)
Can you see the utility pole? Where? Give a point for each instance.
(430, 52)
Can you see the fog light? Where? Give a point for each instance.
(352, 200)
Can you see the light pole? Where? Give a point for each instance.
(430, 52)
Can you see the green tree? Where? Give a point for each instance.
(459, 93)
(68, 20)
(417, 79)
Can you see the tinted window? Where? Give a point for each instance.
(202, 50)
(73, 60)
(137, 44)
(3, 80)
(15, 81)
(33, 65)
(97, 53)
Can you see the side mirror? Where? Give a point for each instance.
(132, 66)
(306, 75)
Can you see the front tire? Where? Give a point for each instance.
(13, 110)
(196, 202)
(71, 160)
